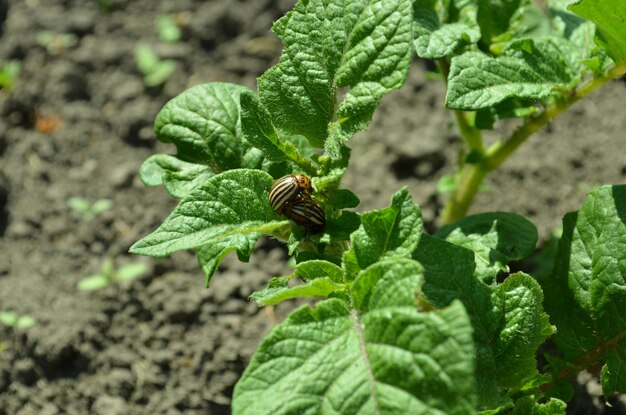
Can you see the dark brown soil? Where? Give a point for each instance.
(78, 123)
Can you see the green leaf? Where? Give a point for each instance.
(93, 282)
(495, 16)
(435, 39)
(340, 229)
(496, 238)
(167, 29)
(330, 44)
(572, 27)
(586, 295)
(331, 179)
(8, 318)
(529, 406)
(130, 271)
(343, 199)
(319, 287)
(160, 73)
(258, 130)
(146, 58)
(179, 177)
(211, 254)
(25, 322)
(509, 108)
(390, 232)
(315, 269)
(79, 204)
(203, 122)
(508, 319)
(380, 356)
(447, 183)
(9, 71)
(609, 17)
(230, 203)
(106, 268)
(524, 327)
(101, 205)
(527, 70)
(387, 284)
(321, 279)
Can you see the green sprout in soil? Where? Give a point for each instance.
(56, 43)
(109, 275)
(89, 210)
(9, 71)
(407, 322)
(167, 29)
(105, 5)
(155, 70)
(15, 321)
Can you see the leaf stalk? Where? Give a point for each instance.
(472, 175)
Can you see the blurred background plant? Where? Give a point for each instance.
(108, 275)
(56, 43)
(15, 321)
(154, 69)
(87, 209)
(167, 29)
(9, 71)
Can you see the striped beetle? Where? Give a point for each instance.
(288, 188)
(305, 211)
(291, 197)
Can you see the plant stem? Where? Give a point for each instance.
(588, 359)
(472, 136)
(472, 175)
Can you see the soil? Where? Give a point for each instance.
(78, 123)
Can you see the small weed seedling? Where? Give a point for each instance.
(155, 71)
(89, 210)
(407, 322)
(167, 29)
(105, 6)
(108, 275)
(16, 322)
(8, 73)
(56, 43)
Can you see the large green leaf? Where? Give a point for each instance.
(390, 232)
(179, 177)
(609, 17)
(586, 295)
(376, 354)
(508, 319)
(329, 44)
(527, 70)
(228, 204)
(204, 124)
(496, 238)
(259, 131)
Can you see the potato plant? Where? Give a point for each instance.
(407, 322)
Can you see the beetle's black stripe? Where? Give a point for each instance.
(282, 191)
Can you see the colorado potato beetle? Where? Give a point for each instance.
(305, 211)
(288, 188)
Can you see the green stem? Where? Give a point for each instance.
(472, 175)
(472, 136)
(585, 361)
